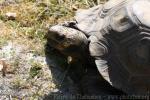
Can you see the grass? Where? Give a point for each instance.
(35, 16)
(35, 70)
(19, 83)
(3, 42)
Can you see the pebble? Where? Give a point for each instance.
(11, 15)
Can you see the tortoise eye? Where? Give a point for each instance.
(123, 20)
(59, 37)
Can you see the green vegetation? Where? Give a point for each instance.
(35, 70)
(19, 83)
(33, 18)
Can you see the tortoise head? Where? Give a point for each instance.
(66, 40)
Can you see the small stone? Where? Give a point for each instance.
(75, 7)
(11, 15)
(69, 59)
(55, 90)
(1, 66)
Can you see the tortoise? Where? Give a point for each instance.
(116, 36)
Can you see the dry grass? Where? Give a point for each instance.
(34, 17)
